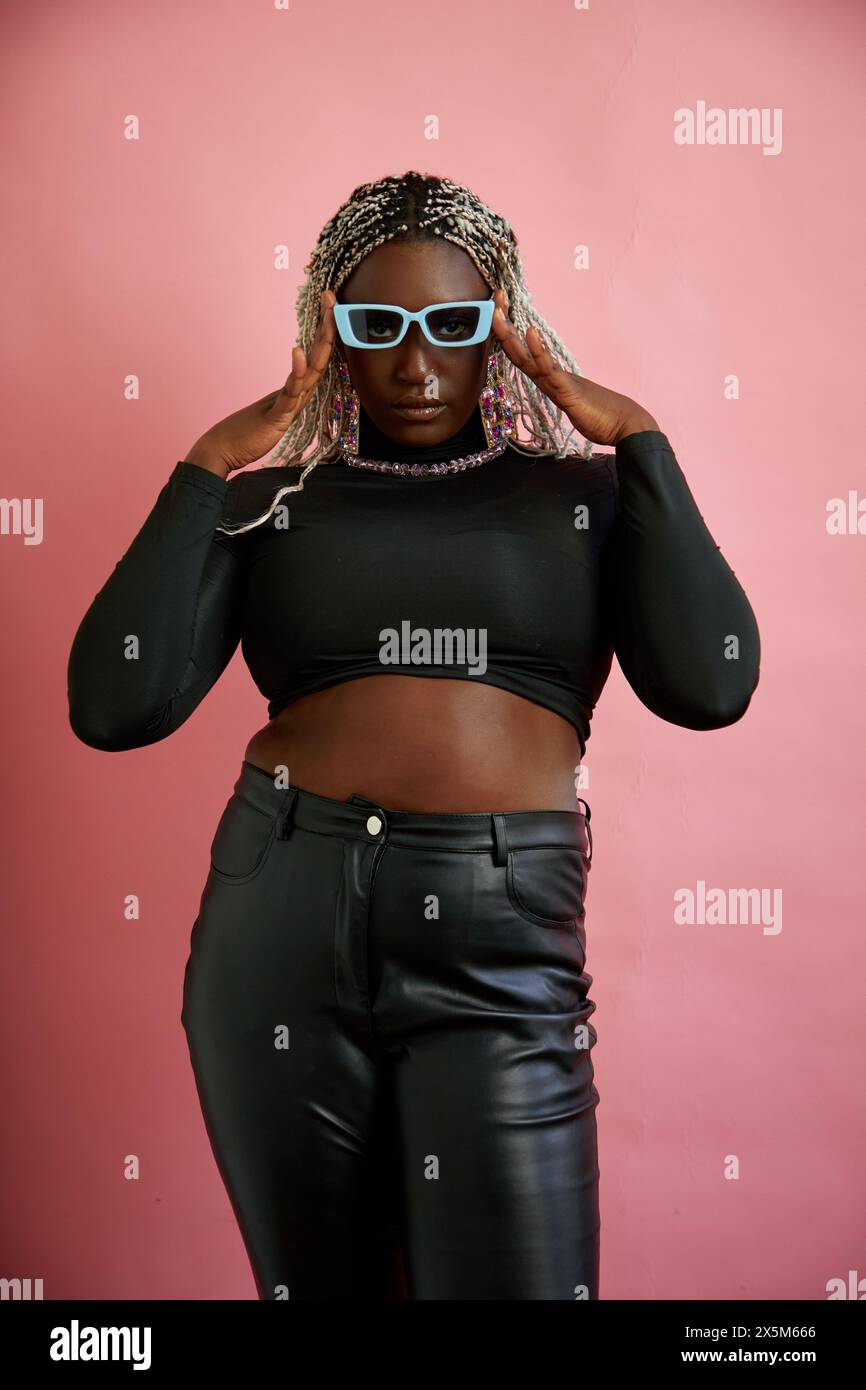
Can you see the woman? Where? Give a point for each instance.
(386, 999)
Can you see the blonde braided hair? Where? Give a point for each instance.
(416, 207)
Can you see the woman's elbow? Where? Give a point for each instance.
(728, 707)
(101, 728)
(715, 706)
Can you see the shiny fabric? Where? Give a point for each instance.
(387, 1018)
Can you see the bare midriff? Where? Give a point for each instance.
(415, 743)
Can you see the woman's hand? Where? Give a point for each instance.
(252, 432)
(602, 416)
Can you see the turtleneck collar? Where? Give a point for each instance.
(372, 443)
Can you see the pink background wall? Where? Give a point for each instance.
(155, 257)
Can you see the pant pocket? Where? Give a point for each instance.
(547, 885)
(243, 840)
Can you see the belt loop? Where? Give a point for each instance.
(286, 812)
(587, 814)
(500, 836)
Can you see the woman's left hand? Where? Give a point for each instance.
(602, 416)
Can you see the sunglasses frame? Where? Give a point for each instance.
(485, 319)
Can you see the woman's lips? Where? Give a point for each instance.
(424, 412)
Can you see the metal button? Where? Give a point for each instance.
(374, 825)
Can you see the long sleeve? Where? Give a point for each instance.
(684, 632)
(166, 623)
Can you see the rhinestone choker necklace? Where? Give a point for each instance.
(465, 449)
(426, 470)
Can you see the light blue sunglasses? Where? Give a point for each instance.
(459, 323)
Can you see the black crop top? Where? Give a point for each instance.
(545, 567)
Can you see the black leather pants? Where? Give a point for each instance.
(387, 1014)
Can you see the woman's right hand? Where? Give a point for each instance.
(252, 432)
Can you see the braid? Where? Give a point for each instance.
(416, 207)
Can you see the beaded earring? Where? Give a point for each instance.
(344, 411)
(495, 403)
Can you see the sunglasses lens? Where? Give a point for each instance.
(453, 325)
(376, 326)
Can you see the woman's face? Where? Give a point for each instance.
(414, 275)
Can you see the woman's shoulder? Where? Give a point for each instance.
(252, 490)
(596, 469)
(257, 474)
(256, 482)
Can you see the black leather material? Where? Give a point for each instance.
(388, 1028)
(242, 841)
